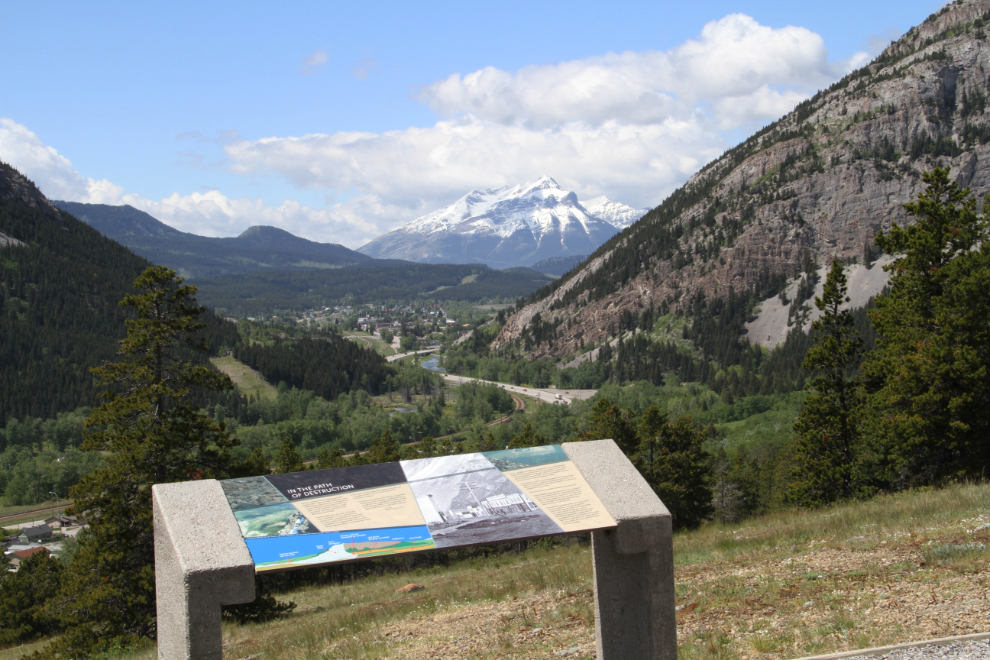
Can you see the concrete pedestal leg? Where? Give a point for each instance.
(634, 571)
(201, 563)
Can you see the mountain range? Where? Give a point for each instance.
(507, 227)
(256, 249)
(818, 184)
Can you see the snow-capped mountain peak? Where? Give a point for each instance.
(618, 215)
(507, 225)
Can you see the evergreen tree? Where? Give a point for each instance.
(427, 448)
(23, 595)
(256, 465)
(827, 427)
(671, 459)
(384, 449)
(148, 433)
(331, 459)
(288, 459)
(485, 443)
(528, 438)
(930, 374)
(608, 421)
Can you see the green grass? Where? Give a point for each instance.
(246, 380)
(376, 342)
(921, 515)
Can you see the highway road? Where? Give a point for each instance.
(544, 394)
(394, 358)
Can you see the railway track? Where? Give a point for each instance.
(21, 514)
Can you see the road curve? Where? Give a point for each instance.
(544, 394)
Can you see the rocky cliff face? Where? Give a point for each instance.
(819, 183)
(14, 186)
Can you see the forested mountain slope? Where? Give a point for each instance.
(60, 282)
(817, 184)
(258, 248)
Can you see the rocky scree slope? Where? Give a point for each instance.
(817, 184)
(507, 227)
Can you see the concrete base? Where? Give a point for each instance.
(634, 568)
(201, 563)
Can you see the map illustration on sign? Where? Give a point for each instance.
(345, 514)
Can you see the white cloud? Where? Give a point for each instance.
(630, 125)
(49, 169)
(208, 214)
(734, 58)
(314, 62)
(438, 164)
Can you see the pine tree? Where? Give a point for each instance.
(148, 433)
(607, 421)
(23, 594)
(528, 438)
(671, 459)
(930, 375)
(384, 449)
(827, 427)
(331, 459)
(485, 443)
(288, 459)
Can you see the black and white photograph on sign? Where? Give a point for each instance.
(442, 466)
(479, 507)
(250, 493)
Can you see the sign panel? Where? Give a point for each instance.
(344, 514)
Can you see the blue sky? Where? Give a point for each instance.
(339, 121)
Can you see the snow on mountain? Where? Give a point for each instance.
(618, 215)
(507, 226)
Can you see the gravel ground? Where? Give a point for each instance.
(970, 650)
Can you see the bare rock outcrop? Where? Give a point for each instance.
(820, 183)
(14, 186)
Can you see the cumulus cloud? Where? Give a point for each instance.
(630, 125)
(442, 162)
(208, 213)
(734, 59)
(49, 169)
(314, 62)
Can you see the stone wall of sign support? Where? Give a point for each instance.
(202, 562)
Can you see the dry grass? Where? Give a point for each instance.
(907, 567)
(245, 379)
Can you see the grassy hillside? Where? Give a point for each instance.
(908, 567)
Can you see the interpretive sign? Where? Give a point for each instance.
(345, 514)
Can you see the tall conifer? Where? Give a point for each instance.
(930, 374)
(827, 433)
(149, 433)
